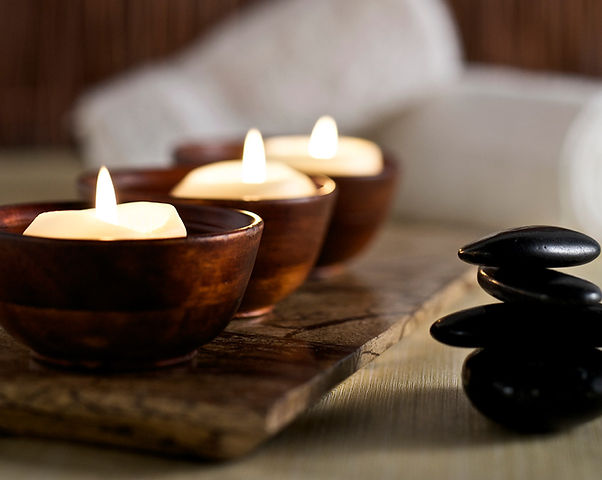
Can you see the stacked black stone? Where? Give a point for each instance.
(536, 367)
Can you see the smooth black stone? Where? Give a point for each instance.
(535, 391)
(513, 324)
(539, 285)
(539, 246)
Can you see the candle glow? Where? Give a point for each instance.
(326, 153)
(110, 221)
(250, 179)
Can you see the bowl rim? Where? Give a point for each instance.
(256, 223)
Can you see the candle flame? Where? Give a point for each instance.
(106, 203)
(253, 158)
(324, 139)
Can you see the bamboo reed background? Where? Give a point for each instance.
(51, 50)
(549, 35)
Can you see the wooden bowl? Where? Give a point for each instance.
(293, 233)
(201, 153)
(360, 210)
(123, 304)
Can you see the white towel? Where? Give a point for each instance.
(277, 66)
(503, 148)
(581, 169)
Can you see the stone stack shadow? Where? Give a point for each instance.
(536, 367)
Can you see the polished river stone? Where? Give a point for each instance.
(535, 390)
(538, 246)
(537, 285)
(508, 325)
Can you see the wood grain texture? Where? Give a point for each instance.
(549, 35)
(362, 205)
(124, 304)
(294, 228)
(51, 50)
(257, 376)
(402, 416)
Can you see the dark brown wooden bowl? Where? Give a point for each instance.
(361, 208)
(293, 233)
(124, 304)
(201, 153)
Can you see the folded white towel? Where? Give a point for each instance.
(581, 169)
(503, 148)
(277, 66)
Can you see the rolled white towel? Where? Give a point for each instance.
(502, 148)
(277, 66)
(581, 169)
(137, 119)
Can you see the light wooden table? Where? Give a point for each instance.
(28, 175)
(403, 416)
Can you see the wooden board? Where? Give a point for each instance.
(257, 376)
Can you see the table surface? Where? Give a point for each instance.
(403, 416)
(259, 374)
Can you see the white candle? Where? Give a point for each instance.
(110, 221)
(324, 152)
(250, 179)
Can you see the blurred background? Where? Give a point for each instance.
(496, 101)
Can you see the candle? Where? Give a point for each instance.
(324, 152)
(110, 221)
(250, 179)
